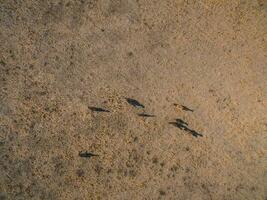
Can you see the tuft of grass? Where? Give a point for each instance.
(2, 63)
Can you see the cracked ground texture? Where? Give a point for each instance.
(59, 57)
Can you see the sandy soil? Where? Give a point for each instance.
(59, 57)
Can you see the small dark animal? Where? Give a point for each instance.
(145, 115)
(180, 121)
(86, 154)
(184, 126)
(95, 109)
(178, 125)
(195, 134)
(134, 103)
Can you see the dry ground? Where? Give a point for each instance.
(58, 57)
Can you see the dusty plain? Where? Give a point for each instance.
(60, 57)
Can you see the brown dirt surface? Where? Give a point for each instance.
(198, 67)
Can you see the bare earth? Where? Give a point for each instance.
(60, 57)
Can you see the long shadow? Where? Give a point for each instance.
(185, 108)
(134, 103)
(96, 109)
(87, 154)
(146, 115)
(184, 126)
